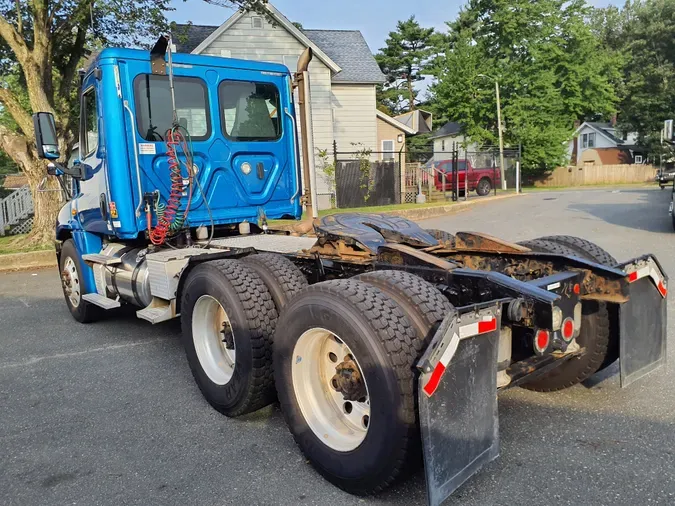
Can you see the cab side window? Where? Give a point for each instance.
(89, 122)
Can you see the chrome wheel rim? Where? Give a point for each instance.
(336, 417)
(213, 340)
(71, 282)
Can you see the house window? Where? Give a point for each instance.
(638, 158)
(443, 145)
(591, 140)
(250, 111)
(388, 151)
(154, 112)
(257, 22)
(89, 122)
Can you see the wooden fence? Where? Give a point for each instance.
(598, 174)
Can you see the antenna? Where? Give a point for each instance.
(171, 86)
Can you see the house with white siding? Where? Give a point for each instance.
(604, 144)
(343, 73)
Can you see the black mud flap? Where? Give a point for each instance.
(458, 411)
(642, 322)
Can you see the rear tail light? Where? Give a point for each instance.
(542, 340)
(568, 330)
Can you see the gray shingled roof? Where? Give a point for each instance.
(604, 127)
(188, 37)
(350, 51)
(347, 48)
(450, 128)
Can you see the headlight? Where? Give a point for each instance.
(246, 168)
(557, 318)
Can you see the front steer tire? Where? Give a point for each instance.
(252, 315)
(594, 335)
(83, 311)
(384, 343)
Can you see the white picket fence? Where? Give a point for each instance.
(15, 209)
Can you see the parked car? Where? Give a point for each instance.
(665, 177)
(481, 180)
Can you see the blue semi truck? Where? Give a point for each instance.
(382, 341)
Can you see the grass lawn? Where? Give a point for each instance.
(6, 246)
(366, 210)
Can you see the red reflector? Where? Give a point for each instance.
(633, 277)
(488, 326)
(542, 340)
(568, 330)
(662, 289)
(435, 380)
(577, 289)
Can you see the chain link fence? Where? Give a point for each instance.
(371, 179)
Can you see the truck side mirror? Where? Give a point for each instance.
(47, 143)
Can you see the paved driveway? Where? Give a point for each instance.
(109, 414)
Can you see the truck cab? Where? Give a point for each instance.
(239, 127)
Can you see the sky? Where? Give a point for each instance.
(374, 18)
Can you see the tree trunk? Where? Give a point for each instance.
(411, 92)
(47, 202)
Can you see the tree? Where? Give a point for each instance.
(403, 61)
(42, 44)
(643, 33)
(551, 70)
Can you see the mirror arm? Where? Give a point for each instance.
(75, 171)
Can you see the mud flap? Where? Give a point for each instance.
(458, 412)
(642, 327)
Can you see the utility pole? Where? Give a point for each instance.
(500, 128)
(501, 136)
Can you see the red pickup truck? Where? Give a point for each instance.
(480, 180)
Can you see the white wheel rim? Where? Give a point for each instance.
(211, 331)
(71, 282)
(341, 424)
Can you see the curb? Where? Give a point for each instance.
(47, 258)
(425, 213)
(23, 261)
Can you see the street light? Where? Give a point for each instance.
(499, 127)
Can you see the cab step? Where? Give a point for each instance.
(101, 301)
(96, 258)
(158, 311)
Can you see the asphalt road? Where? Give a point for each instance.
(109, 414)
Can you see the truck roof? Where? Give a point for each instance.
(192, 59)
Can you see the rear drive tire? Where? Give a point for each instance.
(594, 335)
(584, 249)
(281, 276)
(355, 320)
(228, 320)
(423, 304)
(591, 251)
(484, 187)
(70, 266)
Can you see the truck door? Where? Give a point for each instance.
(93, 199)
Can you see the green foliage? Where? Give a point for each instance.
(642, 34)
(403, 61)
(549, 65)
(327, 169)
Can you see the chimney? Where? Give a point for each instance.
(577, 124)
(612, 121)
